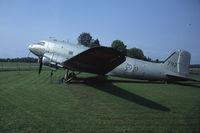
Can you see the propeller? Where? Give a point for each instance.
(29, 54)
(40, 66)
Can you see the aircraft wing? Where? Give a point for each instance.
(97, 60)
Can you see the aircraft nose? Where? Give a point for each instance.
(33, 49)
(36, 49)
(30, 47)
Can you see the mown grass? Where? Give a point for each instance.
(30, 103)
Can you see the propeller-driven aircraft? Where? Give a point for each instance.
(107, 61)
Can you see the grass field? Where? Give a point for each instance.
(195, 70)
(30, 103)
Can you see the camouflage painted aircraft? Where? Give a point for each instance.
(107, 61)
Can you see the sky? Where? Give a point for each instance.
(158, 27)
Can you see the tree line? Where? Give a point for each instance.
(23, 59)
(87, 40)
(195, 66)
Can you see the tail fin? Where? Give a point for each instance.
(178, 62)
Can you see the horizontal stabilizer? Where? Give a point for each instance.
(179, 78)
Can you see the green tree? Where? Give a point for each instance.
(119, 46)
(157, 60)
(136, 53)
(94, 43)
(148, 59)
(84, 39)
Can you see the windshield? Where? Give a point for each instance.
(41, 43)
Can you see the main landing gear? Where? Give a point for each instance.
(68, 77)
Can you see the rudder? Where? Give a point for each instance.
(178, 62)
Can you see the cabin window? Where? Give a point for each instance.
(70, 52)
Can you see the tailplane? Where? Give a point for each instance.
(178, 62)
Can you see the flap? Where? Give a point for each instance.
(97, 60)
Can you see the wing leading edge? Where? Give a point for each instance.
(97, 60)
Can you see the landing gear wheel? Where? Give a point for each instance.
(68, 77)
(72, 75)
(51, 75)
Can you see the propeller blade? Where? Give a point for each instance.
(40, 67)
(29, 54)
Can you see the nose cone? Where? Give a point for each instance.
(36, 49)
(33, 49)
(30, 47)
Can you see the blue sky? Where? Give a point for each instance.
(158, 27)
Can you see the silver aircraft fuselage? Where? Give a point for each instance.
(176, 65)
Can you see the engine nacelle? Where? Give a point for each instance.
(53, 59)
(46, 61)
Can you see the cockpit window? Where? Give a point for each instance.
(41, 43)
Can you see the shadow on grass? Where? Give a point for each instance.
(193, 84)
(108, 87)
